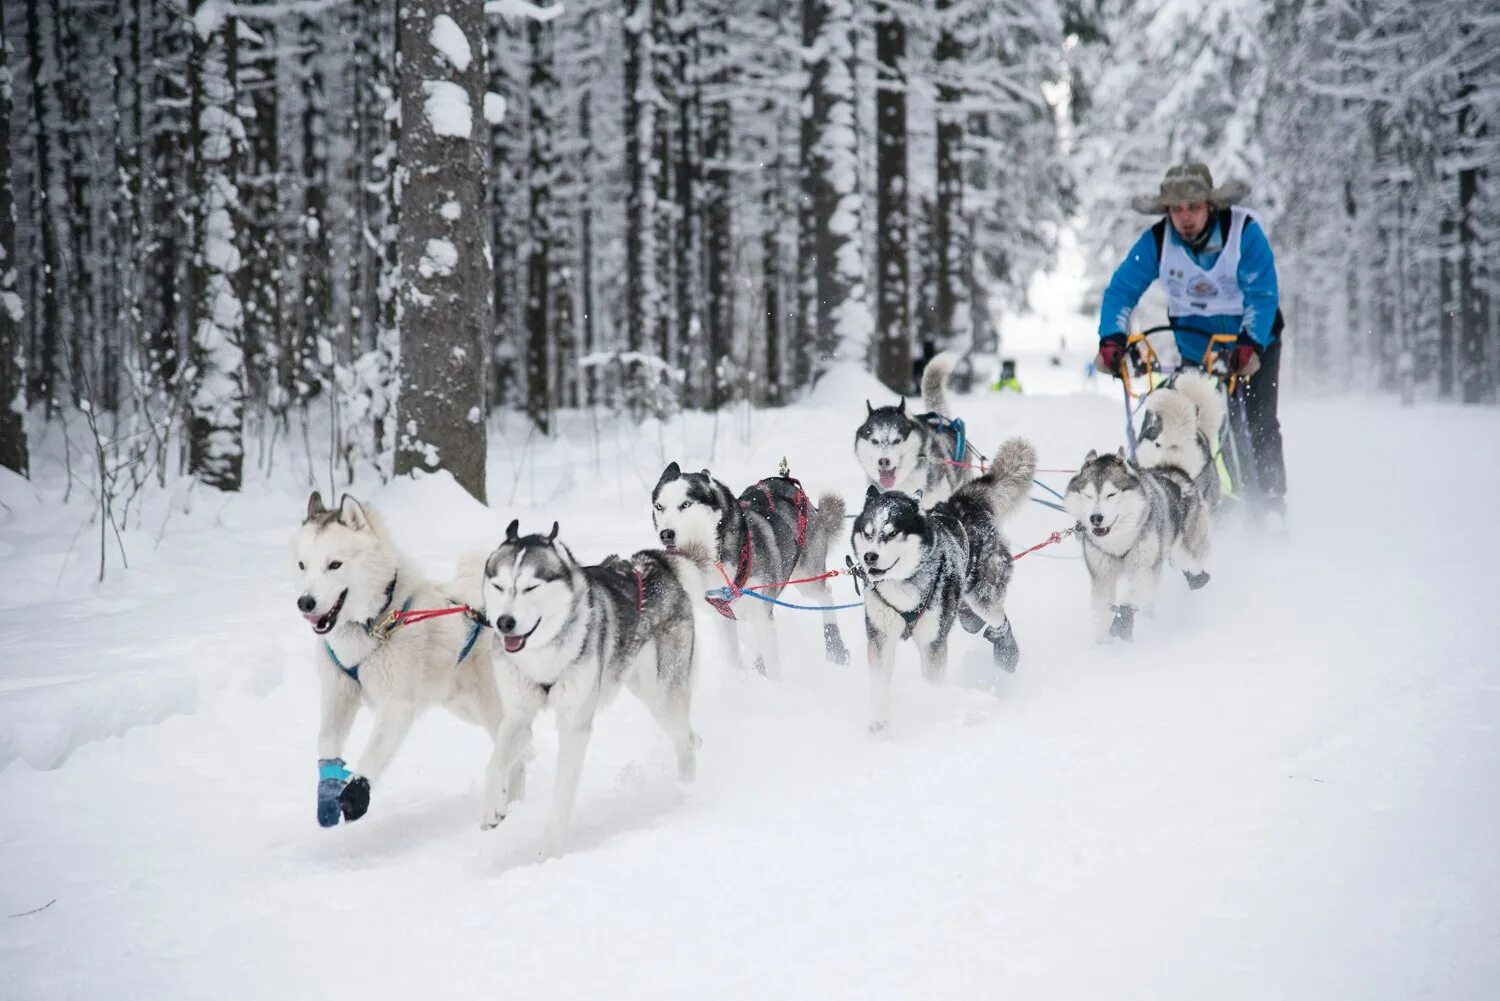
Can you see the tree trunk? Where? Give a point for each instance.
(445, 304)
(13, 451)
(541, 179)
(893, 316)
(949, 229)
(717, 221)
(844, 323)
(216, 407)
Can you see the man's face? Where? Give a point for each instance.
(1190, 219)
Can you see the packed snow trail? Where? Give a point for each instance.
(1288, 786)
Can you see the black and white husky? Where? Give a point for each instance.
(567, 636)
(1133, 516)
(912, 453)
(923, 570)
(350, 577)
(768, 534)
(1181, 429)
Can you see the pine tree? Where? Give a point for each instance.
(445, 297)
(892, 206)
(13, 450)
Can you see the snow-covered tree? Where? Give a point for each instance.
(444, 246)
(13, 454)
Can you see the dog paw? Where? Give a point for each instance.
(879, 727)
(833, 646)
(1007, 651)
(354, 801)
(1123, 626)
(491, 818)
(1196, 580)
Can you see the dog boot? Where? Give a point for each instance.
(1124, 625)
(332, 778)
(971, 622)
(1196, 580)
(1007, 652)
(355, 799)
(833, 644)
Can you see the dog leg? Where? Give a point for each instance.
(479, 703)
(833, 642)
(339, 703)
(763, 639)
(934, 657)
(393, 722)
(729, 630)
(882, 662)
(572, 742)
(1102, 593)
(507, 763)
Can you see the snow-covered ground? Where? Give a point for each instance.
(1288, 787)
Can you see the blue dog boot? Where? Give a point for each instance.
(1007, 650)
(332, 778)
(1196, 580)
(833, 645)
(1123, 627)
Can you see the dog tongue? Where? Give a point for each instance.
(313, 619)
(887, 479)
(513, 644)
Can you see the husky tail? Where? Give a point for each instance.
(1211, 410)
(1007, 484)
(935, 382)
(827, 525)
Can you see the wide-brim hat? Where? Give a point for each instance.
(1190, 182)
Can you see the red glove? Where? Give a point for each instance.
(1111, 353)
(1240, 355)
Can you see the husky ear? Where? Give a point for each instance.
(870, 407)
(352, 515)
(1121, 453)
(552, 536)
(672, 472)
(513, 530)
(901, 407)
(1093, 454)
(315, 506)
(872, 492)
(918, 496)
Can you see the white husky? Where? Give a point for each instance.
(350, 578)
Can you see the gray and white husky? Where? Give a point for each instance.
(770, 533)
(1133, 516)
(567, 636)
(349, 578)
(923, 570)
(1181, 429)
(903, 452)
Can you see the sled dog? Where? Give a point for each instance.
(350, 578)
(924, 569)
(911, 453)
(566, 636)
(1181, 430)
(770, 533)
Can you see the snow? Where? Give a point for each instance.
(451, 210)
(494, 107)
(448, 38)
(518, 9)
(1288, 787)
(439, 258)
(447, 108)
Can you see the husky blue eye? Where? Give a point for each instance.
(684, 505)
(660, 507)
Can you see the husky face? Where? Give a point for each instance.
(888, 446)
(343, 564)
(528, 588)
(1107, 496)
(890, 536)
(687, 508)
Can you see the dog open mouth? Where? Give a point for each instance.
(887, 479)
(323, 623)
(880, 571)
(514, 642)
(1101, 530)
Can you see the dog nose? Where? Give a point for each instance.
(506, 623)
(1096, 519)
(668, 536)
(307, 603)
(871, 559)
(883, 462)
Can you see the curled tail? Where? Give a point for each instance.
(827, 525)
(1007, 484)
(1206, 397)
(935, 382)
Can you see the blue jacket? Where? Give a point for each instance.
(1257, 279)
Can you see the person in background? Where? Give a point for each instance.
(1215, 263)
(1007, 378)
